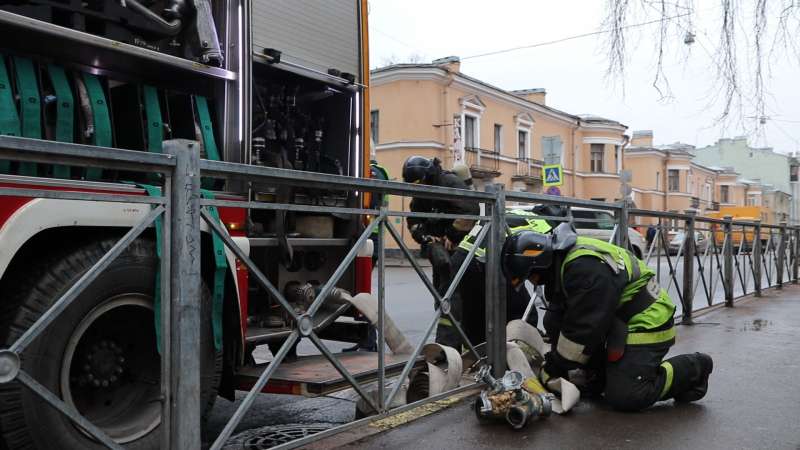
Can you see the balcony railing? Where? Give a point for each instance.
(482, 163)
(527, 172)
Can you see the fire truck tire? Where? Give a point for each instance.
(99, 355)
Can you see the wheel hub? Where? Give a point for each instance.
(111, 370)
(103, 365)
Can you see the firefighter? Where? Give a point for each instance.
(463, 172)
(437, 237)
(469, 301)
(609, 322)
(378, 172)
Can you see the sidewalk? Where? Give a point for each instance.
(753, 399)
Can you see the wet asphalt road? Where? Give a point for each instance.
(753, 401)
(411, 307)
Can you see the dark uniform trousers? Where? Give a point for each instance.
(468, 303)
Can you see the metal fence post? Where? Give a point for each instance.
(757, 259)
(780, 261)
(727, 260)
(622, 225)
(381, 309)
(688, 268)
(184, 405)
(495, 285)
(795, 255)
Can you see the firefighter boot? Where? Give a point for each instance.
(691, 373)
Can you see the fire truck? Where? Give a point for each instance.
(277, 83)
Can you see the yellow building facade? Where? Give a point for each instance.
(665, 178)
(434, 110)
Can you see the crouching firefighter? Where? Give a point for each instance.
(437, 237)
(468, 303)
(609, 321)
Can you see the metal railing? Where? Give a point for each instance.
(483, 163)
(740, 257)
(767, 255)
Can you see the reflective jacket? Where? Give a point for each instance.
(515, 224)
(595, 308)
(378, 172)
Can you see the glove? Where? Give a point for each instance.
(555, 366)
(419, 234)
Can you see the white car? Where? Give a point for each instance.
(700, 242)
(600, 225)
(603, 226)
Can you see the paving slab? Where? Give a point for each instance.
(753, 400)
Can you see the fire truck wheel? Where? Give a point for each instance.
(99, 355)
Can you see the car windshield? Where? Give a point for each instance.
(600, 220)
(680, 234)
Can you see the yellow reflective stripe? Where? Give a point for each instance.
(652, 337)
(445, 322)
(668, 382)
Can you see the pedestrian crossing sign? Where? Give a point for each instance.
(551, 175)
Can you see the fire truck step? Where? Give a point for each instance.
(314, 375)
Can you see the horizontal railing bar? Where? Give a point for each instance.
(85, 196)
(28, 149)
(333, 209)
(286, 207)
(529, 197)
(335, 182)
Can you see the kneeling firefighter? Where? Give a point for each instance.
(609, 321)
(469, 300)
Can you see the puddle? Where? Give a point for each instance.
(756, 325)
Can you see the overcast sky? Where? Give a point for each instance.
(573, 72)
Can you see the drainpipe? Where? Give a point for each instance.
(626, 140)
(574, 159)
(445, 113)
(665, 177)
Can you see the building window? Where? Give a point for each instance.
(597, 157)
(673, 180)
(793, 173)
(498, 138)
(374, 119)
(469, 132)
(724, 194)
(658, 181)
(522, 144)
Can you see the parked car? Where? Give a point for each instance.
(700, 242)
(603, 226)
(600, 224)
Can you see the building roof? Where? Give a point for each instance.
(659, 149)
(529, 91)
(440, 67)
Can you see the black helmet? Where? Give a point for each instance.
(529, 251)
(416, 169)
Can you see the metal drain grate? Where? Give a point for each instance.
(271, 436)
